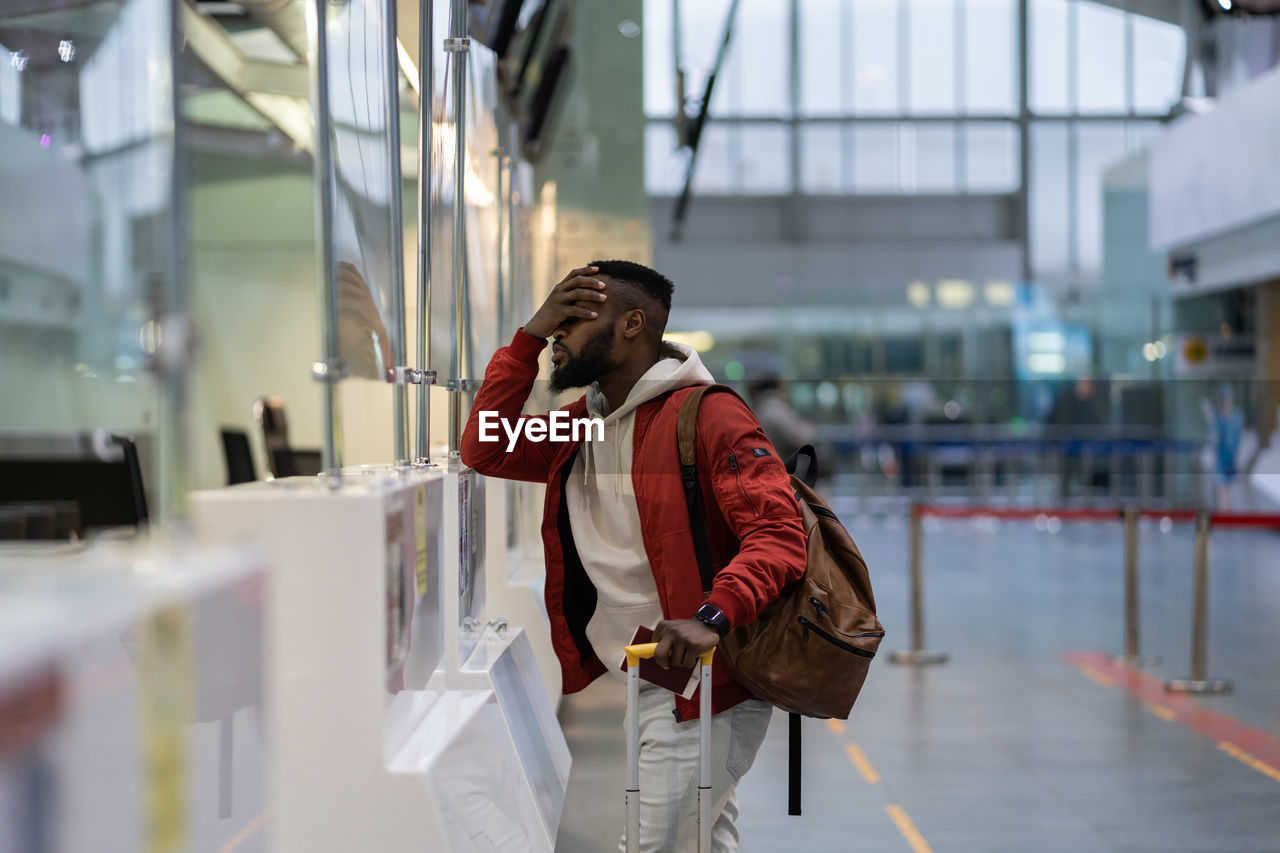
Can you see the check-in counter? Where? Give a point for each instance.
(131, 699)
(404, 717)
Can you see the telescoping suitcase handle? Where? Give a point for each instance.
(635, 654)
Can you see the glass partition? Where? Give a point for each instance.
(366, 176)
(89, 228)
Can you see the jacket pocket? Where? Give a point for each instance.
(737, 479)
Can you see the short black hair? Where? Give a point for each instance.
(650, 282)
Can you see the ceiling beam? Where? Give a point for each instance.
(277, 90)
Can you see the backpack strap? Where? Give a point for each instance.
(687, 442)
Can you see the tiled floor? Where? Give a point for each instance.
(1009, 747)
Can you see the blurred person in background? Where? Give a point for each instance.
(1226, 424)
(782, 424)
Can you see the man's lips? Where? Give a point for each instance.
(557, 355)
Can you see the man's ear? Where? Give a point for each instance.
(633, 323)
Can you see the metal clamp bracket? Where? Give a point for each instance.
(457, 45)
(410, 376)
(330, 371)
(458, 385)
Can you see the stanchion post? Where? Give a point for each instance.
(917, 655)
(1132, 612)
(1199, 682)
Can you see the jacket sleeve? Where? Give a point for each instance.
(507, 382)
(754, 494)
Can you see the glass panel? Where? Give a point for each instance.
(443, 169)
(932, 48)
(990, 56)
(1047, 56)
(875, 57)
(1141, 133)
(1100, 64)
(1098, 146)
(714, 171)
(1158, 50)
(929, 158)
(359, 99)
(990, 157)
(875, 158)
(663, 164)
(764, 158)
(1049, 198)
(701, 26)
(755, 79)
(88, 243)
(821, 153)
(659, 66)
(821, 57)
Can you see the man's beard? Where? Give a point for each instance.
(595, 360)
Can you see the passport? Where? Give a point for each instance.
(676, 679)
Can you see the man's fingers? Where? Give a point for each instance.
(662, 655)
(579, 272)
(578, 311)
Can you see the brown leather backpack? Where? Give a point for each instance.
(808, 652)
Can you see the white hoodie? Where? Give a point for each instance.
(601, 499)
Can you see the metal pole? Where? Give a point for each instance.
(917, 655)
(1198, 682)
(426, 139)
(330, 371)
(633, 753)
(1132, 612)
(399, 399)
(704, 754)
(1130, 582)
(458, 44)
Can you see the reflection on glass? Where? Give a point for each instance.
(360, 101)
(86, 181)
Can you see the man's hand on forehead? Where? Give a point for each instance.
(577, 297)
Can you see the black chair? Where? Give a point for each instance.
(105, 488)
(238, 456)
(283, 460)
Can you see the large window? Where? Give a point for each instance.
(901, 97)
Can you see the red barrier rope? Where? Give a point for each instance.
(1244, 519)
(1217, 519)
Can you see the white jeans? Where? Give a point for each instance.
(669, 754)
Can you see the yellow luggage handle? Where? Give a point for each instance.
(641, 651)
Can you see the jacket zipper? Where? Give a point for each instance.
(838, 643)
(737, 478)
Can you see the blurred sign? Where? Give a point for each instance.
(1199, 355)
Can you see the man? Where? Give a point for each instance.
(619, 553)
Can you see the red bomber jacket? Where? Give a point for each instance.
(757, 539)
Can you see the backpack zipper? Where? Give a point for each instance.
(737, 478)
(819, 606)
(838, 643)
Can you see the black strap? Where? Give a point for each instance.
(811, 470)
(697, 525)
(793, 767)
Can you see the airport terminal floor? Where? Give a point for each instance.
(1029, 738)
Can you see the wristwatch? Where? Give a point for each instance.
(713, 618)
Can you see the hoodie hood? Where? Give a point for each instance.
(679, 368)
